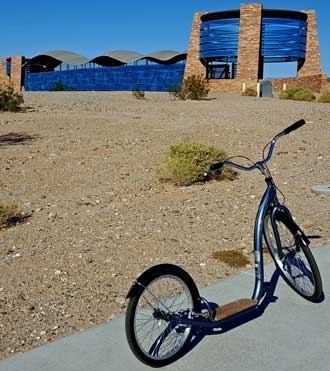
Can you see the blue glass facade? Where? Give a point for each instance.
(153, 77)
(282, 37)
(283, 40)
(219, 39)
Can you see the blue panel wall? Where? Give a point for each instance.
(153, 77)
(283, 39)
(219, 39)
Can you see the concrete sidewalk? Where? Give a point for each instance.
(292, 334)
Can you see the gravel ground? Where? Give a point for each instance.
(87, 174)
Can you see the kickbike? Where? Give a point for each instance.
(165, 308)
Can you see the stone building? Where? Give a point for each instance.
(230, 48)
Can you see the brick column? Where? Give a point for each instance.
(193, 64)
(249, 42)
(312, 65)
(4, 78)
(16, 73)
(15, 78)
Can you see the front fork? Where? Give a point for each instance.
(270, 205)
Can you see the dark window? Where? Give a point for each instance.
(8, 66)
(220, 71)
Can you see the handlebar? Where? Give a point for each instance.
(259, 164)
(294, 126)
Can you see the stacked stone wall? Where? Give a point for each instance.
(4, 78)
(312, 65)
(15, 78)
(311, 82)
(249, 42)
(193, 65)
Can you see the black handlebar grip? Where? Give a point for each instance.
(294, 126)
(216, 166)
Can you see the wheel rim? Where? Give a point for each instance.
(293, 264)
(157, 338)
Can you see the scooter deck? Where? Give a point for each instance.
(235, 307)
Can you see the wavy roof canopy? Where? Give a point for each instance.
(124, 56)
(54, 58)
(166, 56)
(66, 57)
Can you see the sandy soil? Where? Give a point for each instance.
(99, 216)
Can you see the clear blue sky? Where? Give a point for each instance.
(93, 27)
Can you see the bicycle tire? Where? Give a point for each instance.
(297, 266)
(160, 289)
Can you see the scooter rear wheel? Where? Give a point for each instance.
(152, 335)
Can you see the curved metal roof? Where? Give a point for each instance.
(65, 57)
(111, 58)
(124, 56)
(165, 55)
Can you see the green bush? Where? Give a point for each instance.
(194, 87)
(8, 210)
(249, 92)
(10, 100)
(297, 94)
(59, 86)
(139, 94)
(324, 97)
(186, 163)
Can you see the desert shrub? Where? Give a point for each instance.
(233, 258)
(249, 92)
(324, 97)
(297, 94)
(186, 163)
(175, 94)
(10, 100)
(288, 93)
(304, 95)
(139, 94)
(8, 210)
(194, 87)
(58, 86)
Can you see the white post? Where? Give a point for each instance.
(258, 90)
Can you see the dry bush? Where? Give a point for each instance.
(297, 94)
(139, 94)
(186, 163)
(233, 258)
(194, 87)
(8, 210)
(10, 100)
(324, 97)
(249, 92)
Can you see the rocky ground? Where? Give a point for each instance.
(85, 169)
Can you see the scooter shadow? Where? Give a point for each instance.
(239, 319)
